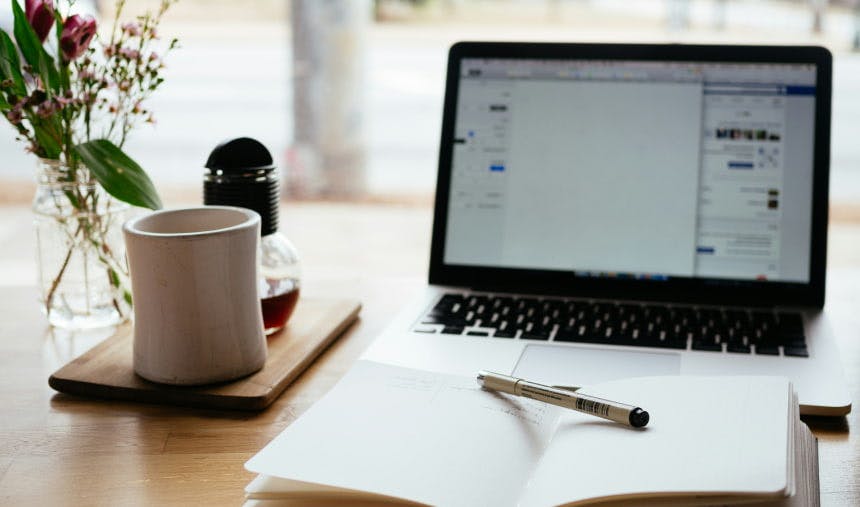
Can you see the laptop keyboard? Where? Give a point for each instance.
(647, 325)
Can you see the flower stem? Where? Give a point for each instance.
(49, 299)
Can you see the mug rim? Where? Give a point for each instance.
(251, 218)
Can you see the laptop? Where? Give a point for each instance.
(619, 210)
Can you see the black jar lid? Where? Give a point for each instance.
(240, 155)
(241, 173)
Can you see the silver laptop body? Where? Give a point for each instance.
(615, 210)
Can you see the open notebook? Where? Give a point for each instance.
(387, 434)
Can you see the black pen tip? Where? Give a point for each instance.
(638, 418)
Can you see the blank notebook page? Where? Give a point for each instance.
(706, 434)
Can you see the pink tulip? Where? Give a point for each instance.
(78, 32)
(40, 15)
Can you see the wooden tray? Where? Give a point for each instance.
(106, 371)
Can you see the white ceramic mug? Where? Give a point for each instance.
(194, 284)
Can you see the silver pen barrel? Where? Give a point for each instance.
(614, 411)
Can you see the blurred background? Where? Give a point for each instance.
(348, 93)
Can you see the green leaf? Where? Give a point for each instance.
(46, 138)
(64, 70)
(120, 176)
(114, 278)
(32, 49)
(48, 132)
(10, 64)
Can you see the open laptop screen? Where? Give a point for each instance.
(633, 169)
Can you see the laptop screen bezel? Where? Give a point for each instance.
(686, 290)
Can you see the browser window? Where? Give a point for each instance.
(633, 169)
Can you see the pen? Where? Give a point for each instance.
(612, 410)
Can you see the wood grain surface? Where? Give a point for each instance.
(107, 370)
(57, 449)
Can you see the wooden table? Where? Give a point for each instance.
(61, 450)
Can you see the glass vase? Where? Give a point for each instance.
(80, 253)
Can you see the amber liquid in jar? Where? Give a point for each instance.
(279, 303)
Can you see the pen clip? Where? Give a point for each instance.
(572, 389)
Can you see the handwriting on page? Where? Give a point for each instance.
(463, 395)
(413, 382)
(525, 410)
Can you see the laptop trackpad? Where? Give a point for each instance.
(578, 366)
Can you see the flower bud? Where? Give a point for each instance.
(78, 32)
(132, 29)
(15, 116)
(40, 15)
(37, 97)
